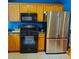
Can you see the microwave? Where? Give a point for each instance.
(28, 17)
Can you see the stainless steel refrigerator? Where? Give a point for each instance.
(57, 32)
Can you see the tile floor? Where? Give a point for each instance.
(40, 55)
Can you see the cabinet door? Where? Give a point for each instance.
(25, 8)
(41, 42)
(33, 8)
(57, 7)
(13, 10)
(40, 12)
(13, 42)
(28, 8)
(47, 7)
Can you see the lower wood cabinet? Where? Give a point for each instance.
(13, 42)
(41, 41)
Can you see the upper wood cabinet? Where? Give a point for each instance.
(16, 8)
(40, 9)
(27, 8)
(13, 12)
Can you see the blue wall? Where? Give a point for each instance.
(34, 1)
(67, 3)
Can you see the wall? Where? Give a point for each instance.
(34, 1)
(67, 3)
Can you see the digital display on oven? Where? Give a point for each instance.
(29, 40)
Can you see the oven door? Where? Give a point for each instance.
(28, 44)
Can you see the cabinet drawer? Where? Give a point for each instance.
(56, 45)
(41, 34)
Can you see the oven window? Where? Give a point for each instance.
(29, 40)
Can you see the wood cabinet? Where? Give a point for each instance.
(40, 9)
(41, 41)
(13, 12)
(27, 8)
(13, 42)
(16, 8)
(40, 12)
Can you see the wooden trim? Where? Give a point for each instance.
(13, 51)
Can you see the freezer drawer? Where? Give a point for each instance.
(56, 45)
(57, 24)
